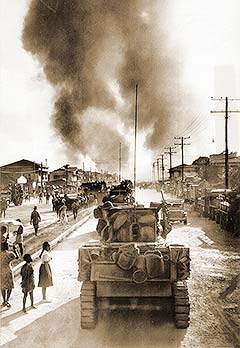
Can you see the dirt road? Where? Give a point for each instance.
(214, 321)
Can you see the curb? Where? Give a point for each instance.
(30, 227)
(53, 243)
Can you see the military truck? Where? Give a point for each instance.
(131, 266)
(214, 198)
(96, 188)
(176, 212)
(122, 193)
(229, 213)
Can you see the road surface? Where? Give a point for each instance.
(214, 322)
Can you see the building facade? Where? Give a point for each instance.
(35, 174)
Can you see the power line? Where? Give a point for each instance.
(196, 128)
(191, 126)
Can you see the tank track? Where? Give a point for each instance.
(181, 304)
(88, 305)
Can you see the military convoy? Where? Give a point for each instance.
(176, 211)
(131, 266)
(223, 207)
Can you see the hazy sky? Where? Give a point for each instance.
(202, 35)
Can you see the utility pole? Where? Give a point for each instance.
(135, 139)
(120, 162)
(170, 152)
(66, 173)
(41, 174)
(162, 166)
(182, 144)
(155, 166)
(158, 169)
(226, 145)
(153, 171)
(35, 176)
(226, 111)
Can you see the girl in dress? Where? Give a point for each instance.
(27, 283)
(45, 273)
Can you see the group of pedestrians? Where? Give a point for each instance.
(14, 250)
(27, 274)
(34, 220)
(41, 195)
(18, 233)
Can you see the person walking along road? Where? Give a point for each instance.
(47, 197)
(45, 273)
(40, 196)
(35, 219)
(6, 273)
(63, 214)
(75, 207)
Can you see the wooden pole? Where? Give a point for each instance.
(135, 140)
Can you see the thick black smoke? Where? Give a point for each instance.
(86, 45)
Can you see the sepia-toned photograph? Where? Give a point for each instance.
(120, 174)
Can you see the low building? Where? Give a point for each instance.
(63, 175)
(201, 161)
(35, 174)
(188, 170)
(219, 159)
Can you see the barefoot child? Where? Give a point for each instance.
(27, 283)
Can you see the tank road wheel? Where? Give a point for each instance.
(88, 305)
(181, 304)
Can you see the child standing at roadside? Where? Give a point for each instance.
(27, 283)
(45, 273)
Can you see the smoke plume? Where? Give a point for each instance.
(87, 46)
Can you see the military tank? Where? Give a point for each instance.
(122, 193)
(131, 266)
